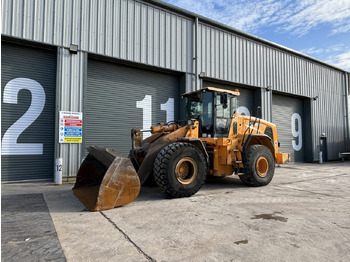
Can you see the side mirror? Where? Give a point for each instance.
(223, 100)
(259, 112)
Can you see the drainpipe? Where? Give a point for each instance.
(196, 81)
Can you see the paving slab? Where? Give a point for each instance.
(85, 235)
(27, 231)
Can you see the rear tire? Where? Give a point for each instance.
(259, 166)
(180, 169)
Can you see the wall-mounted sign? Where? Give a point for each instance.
(70, 127)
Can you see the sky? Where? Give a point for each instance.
(317, 28)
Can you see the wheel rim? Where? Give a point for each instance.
(262, 166)
(186, 170)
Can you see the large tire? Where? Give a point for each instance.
(259, 166)
(180, 169)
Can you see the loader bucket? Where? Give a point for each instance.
(106, 180)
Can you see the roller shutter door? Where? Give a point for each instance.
(28, 82)
(245, 100)
(119, 98)
(288, 115)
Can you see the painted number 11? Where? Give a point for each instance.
(146, 106)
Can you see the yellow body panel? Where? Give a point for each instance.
(227, 152)
(282, 158)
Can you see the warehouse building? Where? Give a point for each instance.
(96, 69)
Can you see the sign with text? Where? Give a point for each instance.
(71, 127)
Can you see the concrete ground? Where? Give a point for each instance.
(303, 215)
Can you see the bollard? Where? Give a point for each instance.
(58, 171)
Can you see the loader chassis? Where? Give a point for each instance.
(214, 140)
(227, 142)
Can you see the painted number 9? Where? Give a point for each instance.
(297, 132)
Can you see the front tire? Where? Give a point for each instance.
(180, 169)
(259, 166)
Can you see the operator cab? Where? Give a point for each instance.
(213, 108)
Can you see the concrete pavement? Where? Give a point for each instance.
(27, 231)
(303, 215)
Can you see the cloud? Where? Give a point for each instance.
(245, 15)
(337, 55)
(293, 16)
(341, 28)
(330, 49)
(341, 60)
(313, 13)
(312, 50)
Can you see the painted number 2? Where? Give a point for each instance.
(10, 96)
(146, 106)
(297, 132)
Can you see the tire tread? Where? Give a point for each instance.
(161, 164)
(249, 178)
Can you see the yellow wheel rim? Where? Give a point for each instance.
(186, 170)
(262, 166)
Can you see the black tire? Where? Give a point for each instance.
(180, 169)
(259, 165)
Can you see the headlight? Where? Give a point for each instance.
(190, 122)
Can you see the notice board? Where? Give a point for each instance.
(70, 127)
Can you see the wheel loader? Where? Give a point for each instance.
(213, 141)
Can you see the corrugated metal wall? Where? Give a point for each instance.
(124, 29)
(266, 104)
(230, 57)
(328, 114)
(71, 73)
(347, 88)
(152, 34)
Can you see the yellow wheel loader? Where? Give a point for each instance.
(214, 140)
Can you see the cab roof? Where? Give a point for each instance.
(214, 89)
